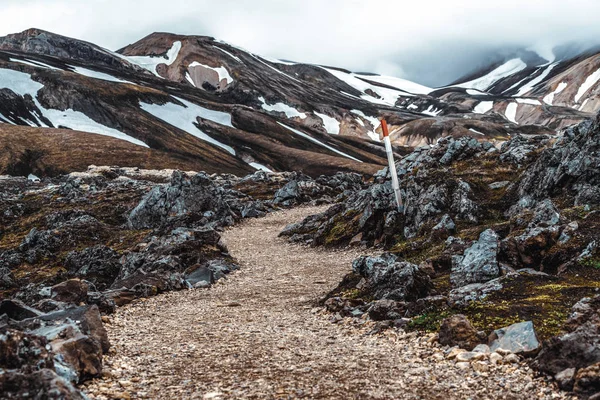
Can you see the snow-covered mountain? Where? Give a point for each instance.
(194, 102)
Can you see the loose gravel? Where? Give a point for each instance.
(260, 335)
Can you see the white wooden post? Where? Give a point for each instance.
(392, 164)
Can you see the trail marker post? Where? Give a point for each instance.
(392, 165)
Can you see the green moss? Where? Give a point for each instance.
(591, 262)
(429, 321)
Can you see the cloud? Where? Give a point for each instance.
(432, 41)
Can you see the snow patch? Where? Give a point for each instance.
(432, 111)
(373, 121)
(483, 107)
(330, 124)
(228, 53)
(508, 68)
(185, 117)
(259, 167)
(289, 112)
(33, 63)
(532, 83)
(549, 99)
(399, 83)
(97, 75)
(476, 131)
(274, 69)
(33, 178)
(150, 63)
(189, 79)
(81, 122)
(22, 84)
(221, 71)
(511, 112)
(583, 104)
(474, 92)
(312, 139)
(587, 85)
(388, 96)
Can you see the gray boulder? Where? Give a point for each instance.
(479, 263)
(519, 338)
(388, 278)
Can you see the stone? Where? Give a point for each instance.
(17, 310)
(463, 295)
(498, 185)
(571, 164)
(458, 331)
(388, 278)
(98, 265)
(446, 225)
(454, 352)
(87, 319)
(463, 365)
(381, 310)
(19, 385)
(479, 263)
(481, 366)
(19, 349)
(511, 358)
(495, 358)
(519, 338)
(566, 379)
(587, 380)
(579, 345)
(71, 291)
(482, 348)
(470, 356)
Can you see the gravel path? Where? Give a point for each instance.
(259, 335)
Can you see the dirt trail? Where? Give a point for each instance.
(258, 335)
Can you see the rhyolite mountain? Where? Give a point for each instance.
(197, 103)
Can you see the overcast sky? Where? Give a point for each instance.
(431, 42)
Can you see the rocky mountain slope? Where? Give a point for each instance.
(203, 104)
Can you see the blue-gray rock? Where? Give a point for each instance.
(519, 338)
(479, 263)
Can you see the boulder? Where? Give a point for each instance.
(587, 380)
(87, 319)
(24, 351)
(7, 279)
(458, 331)
(579, 345)
(571, 165)
(519, 338)
(18, 385)
(382, 310)
(184, 201)
(98, 265)
(388, 278)
(479, 263)
(17, 310)
(71, 291)
(445, 227)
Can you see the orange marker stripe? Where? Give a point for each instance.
(384, 127)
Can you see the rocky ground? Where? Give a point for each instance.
(492, 267)
(73, 248)
(506, 239)
(259, 334)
